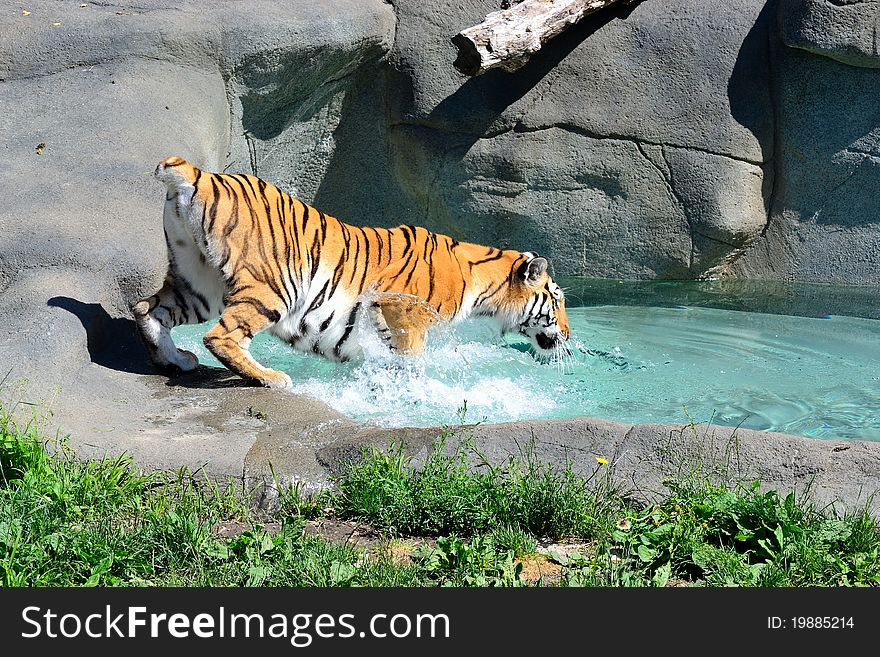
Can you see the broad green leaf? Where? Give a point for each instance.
(646, 554)
(661, 576)
(561, 559)
(341, 573)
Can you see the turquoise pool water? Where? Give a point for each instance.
(816, 376)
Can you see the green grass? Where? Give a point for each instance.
(65, 522)
(449, 495)
(68, 522)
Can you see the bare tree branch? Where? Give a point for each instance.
(508, 37)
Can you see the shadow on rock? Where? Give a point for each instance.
(208, 377)
(483, 98)
(113, 342)
(749, 86)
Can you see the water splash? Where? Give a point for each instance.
(492, 381)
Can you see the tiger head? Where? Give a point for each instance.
(535, 307)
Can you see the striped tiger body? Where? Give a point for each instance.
(241, 248)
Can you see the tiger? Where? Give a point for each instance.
(260, 259)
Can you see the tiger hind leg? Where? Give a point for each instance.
(402, 321)
(155, 316)
(229, 340)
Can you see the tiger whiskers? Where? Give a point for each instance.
(563, 359)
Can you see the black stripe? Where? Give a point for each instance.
(430, 259)
(238, 289)
(530, 306)
(234, 218)
(314, 252)
(497, 256)
(191, 291)
(225, 259)
(327, 321)
(380, 241)
(357, 252)
(323, 225)
(257, 225)
(306, 216)
(406, 262)
(337, 276)
(181, 301)
(272, 315)
(317, 301)
(213, 213)
(294, 235)
(366, 266)
(239, 177)
(268, 278)
(280, 208)
(411, 272)
(261, 184)
(348, 327)
(486, 295)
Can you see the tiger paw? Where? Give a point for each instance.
(273, 379)
(141, 308)
(185, 360)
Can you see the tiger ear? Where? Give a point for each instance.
(531, 271)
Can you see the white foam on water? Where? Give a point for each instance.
(469, 365)
(435, 387)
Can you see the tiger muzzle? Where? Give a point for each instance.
(549, 342)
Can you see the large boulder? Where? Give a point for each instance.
(845, 30)
(634, 145)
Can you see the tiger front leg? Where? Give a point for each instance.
(402, 320)
(229, 340)
(155, 316)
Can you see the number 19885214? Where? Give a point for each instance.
(810, 623)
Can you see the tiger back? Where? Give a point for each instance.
(240, 248)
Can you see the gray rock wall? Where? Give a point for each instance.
(824, 223)
(634, 145)
(845, 30)
(671, 140)
(660, 140)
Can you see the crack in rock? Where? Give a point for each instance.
(575, 129)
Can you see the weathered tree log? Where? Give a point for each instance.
(509, 37)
